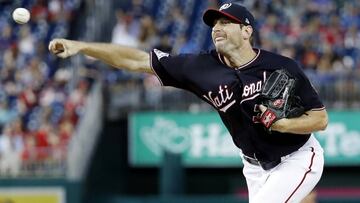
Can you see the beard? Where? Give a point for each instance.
(220, 47)
(224, 47)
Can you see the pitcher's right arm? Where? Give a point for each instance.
(118, 56)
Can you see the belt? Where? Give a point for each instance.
(266, 165)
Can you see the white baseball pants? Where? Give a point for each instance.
(291, 180)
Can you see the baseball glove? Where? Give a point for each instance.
(278, 96)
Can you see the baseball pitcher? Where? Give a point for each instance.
(264, 99)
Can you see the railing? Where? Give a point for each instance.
(44, 162)
(337, 91)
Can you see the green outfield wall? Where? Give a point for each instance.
(203, 141)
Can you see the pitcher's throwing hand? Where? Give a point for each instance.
(64, 48)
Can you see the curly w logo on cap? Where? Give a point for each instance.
(225, 6)
(233, 11)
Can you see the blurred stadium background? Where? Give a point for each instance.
(76, 130)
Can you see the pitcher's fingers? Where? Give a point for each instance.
(55, 46)
(59, 48)
(262, 108)
(51, 45)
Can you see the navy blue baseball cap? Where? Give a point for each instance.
(233, 11)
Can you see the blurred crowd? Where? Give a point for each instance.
(38, 108)
(323, 36)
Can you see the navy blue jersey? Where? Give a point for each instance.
(234, 93)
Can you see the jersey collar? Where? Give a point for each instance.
(222, 60)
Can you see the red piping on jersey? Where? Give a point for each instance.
(302, 181)
(252, 60)
(222, 60)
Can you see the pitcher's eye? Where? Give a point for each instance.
(225, 21)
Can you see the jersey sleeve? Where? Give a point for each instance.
(305, 90)
(168, 69)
